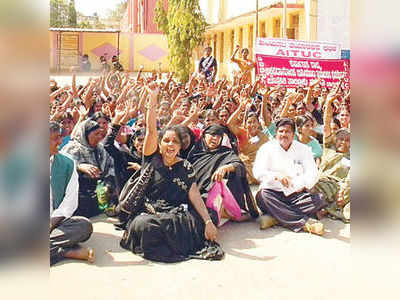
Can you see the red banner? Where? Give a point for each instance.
(294, 72)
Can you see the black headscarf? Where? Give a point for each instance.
(205, 162)
(214, 130)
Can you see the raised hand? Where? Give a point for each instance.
(83, 112)
(211, 92)
(152, 101)
(315, 82)
(119, 113)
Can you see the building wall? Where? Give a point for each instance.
(334, 21)
(135, 50)
(266, 19)
(134, 21)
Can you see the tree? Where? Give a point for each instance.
(72, 14)
(116, 15)
(184, 25)
(58, 13)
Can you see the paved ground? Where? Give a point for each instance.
(270, 264)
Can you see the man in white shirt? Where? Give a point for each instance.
(287, 171)
(66, 231)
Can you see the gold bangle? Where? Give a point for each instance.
(208, 221)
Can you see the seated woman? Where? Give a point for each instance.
(178, 223)
(229, 139)
(188, 140)
(103, 121)
(252, 138)
(334, 176)
(68, 124)
(304, 126)
(93, 164)
(126, 160)
(212, 162)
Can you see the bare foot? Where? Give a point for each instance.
(314, 226)
(225, 214)
(81, 253)
(267, 221)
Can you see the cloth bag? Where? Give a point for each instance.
(132, 198)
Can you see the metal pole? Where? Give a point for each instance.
(284, 20)
(118, 46)
(59, 51)
(256, 19)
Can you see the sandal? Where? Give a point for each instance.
(314, 226)
(267, 221)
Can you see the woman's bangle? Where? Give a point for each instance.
(208, 221)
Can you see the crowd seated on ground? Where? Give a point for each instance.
(173, 162)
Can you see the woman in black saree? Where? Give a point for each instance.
(178, 224)
(213, 162)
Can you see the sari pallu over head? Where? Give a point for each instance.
(205, 162)
(80, 150)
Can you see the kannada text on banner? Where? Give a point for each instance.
(297, 49)
(293, 72)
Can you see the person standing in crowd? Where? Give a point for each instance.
(66, 231)
(104, 65)
(208, 66)
(86, 66)
(287, 170)
(245, 64)
(116, 64)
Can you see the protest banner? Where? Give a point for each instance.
(297, 49)
(293, 63)
(292, 72)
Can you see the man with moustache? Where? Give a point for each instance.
(287, 171)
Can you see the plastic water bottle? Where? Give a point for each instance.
(102, 195)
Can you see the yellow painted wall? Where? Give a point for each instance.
(51, 55)
(225, 66)
(129, 44)
(124, 45)
(141, 41)
(92, 40)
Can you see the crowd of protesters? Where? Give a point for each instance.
(174, 161)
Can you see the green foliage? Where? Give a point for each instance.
(58, 13)
(72, 14)
(85, 25)
(160, 17)
(184, 25)
(117, 14)
(63, 14)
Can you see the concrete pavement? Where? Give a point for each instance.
(259, 264)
